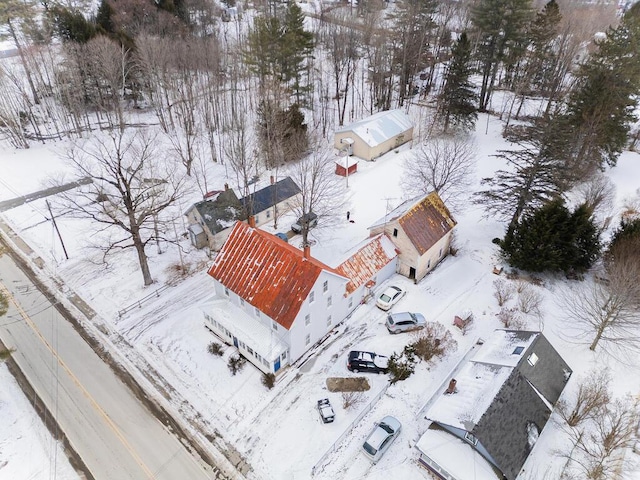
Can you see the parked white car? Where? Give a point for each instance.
(389, 297)
(381, 438)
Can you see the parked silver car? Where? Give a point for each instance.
(404, 322)
(381, 438)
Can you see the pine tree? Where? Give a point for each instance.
(71, 26)
(502, 25)
(552, 239)
(296, 47)
(543, 31)
(605, 95)
(537, 172)
(104, 17)
(458, 98)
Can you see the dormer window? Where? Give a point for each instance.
(518, 351)
(470, 438)
(533, 359)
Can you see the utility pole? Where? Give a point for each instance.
(55, 225)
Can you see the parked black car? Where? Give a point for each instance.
(367, 362)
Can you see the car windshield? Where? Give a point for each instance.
(386, 428)
(369, 449)
(385, 298)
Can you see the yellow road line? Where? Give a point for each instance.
(75, 380)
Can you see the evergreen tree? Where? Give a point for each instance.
(71, 26)
(104, 17)
(458, 98)
(502, 26)
(601, 105)
(296, 47)
(542, 59)
(537, 172)
(552, 239)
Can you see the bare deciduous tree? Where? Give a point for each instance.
(530, 300)
(597, 451)
(131, 186)
(598, 193)
(320, 191)
(503, 291)
(590, 399)
(510, 318)
(351, 399)
(434, 340)
(444, 165)
(606, 312)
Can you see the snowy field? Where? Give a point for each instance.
(279, 431)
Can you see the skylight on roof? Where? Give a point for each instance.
(518, 351)
(533, 359)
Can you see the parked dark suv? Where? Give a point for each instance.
(367, 362)
(310, 219)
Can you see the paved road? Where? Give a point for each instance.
(16, 202)
(114, 434)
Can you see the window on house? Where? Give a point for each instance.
(242, 302)
(257, 311)
(351, 302)
(325, 286)
(440, 254)
(470, 438)
(307, 319)
(518, 350)
(265, 363)
(329, 301)
(274, 325)
(226, 291)
(395, 232)
(429, 264)
(533, 359)
(250, 350)
(329, 321)
(307, 340)
(268, 213)
(284, 355)
(312, 297)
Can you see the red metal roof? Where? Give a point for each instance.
(427, 222)
(367, 261)
(266, 272)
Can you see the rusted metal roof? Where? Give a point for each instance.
(367, 261)
(426, 222)
(266, 272)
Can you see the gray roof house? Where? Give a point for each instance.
(485, 425)
(278, 195)
(211, 220)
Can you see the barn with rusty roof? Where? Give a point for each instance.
(278, 301)
(421, 229)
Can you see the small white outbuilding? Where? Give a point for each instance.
(374, 136)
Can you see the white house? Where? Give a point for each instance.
(273, 301)
(421, 229)
(370, 264)
(374, 136)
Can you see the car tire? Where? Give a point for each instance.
(355, 370)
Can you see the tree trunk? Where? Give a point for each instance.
(599, 334)
(142, 257)
(36, 99)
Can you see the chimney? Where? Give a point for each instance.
(252, 221)
(452, 387)
(307, 251)
(226, 187)
(273, 180)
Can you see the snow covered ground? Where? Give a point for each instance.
(27, 450)
(279, 431)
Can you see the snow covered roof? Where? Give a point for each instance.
(254, 334)
(220, 211)
(456, 456)
(507, 388)
(425, 220)
(266, 272)
(367, 261)
(380, 127)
